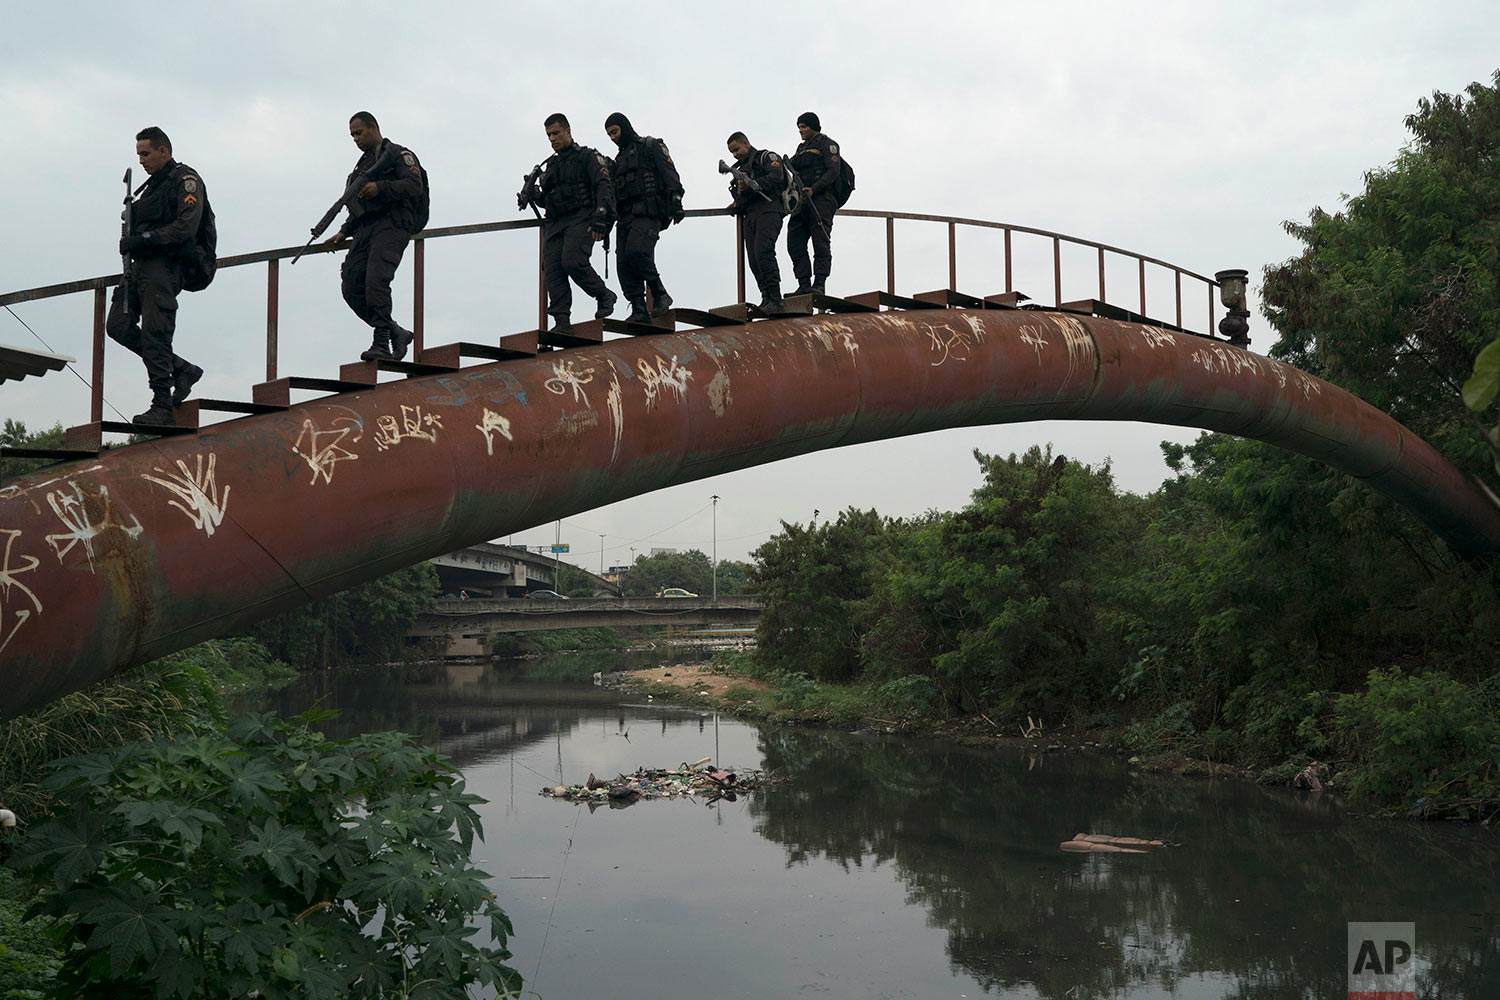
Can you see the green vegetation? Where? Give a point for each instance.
(14, 435)
(269, 861)
(692, 570)
(28, 959)
(1259, 608)
(364, 624)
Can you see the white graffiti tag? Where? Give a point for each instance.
(8, 583)
(1033, 337)
(413, 424)
(72, 511)
(614, 401)
(491, 424)
(197, 493)
(1156, 338)
(948, 343)
(1226, 361)
(322, 450)
(1076, 337)
(1305, 382)
(668, 374)
(565, 375)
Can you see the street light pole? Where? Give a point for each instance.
(715, 499)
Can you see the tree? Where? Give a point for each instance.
(15, 435)
(1394, 297)
(690, 570)
(364, 624)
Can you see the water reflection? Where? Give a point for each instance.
(894, 868)
(1253, 905)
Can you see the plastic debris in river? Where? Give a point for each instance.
(686, 781)
(1098, 843)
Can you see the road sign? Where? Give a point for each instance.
(560, 548)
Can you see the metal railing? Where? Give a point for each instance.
(272, 259)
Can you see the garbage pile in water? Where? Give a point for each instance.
(688, 780)
(1098, 843)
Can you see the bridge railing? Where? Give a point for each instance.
(1138, 303)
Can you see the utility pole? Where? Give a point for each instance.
(715, 499)
(601, 554)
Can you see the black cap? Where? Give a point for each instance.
(810, 119)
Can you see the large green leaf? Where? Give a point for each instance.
(1480, 388)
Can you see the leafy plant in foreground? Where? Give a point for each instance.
(269, 862)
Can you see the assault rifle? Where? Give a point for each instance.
(744, 178)
(529, 193)
(350, 198)
(127, 223)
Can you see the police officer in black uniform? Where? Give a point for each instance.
(648, 196)
(818, 166)
(164, 232)
(580, 201)
(391, 208)
(760, 212)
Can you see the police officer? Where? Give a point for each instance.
(758, 204)
(392, 206)
(818, 166)
(163, 235)
(648, 196)
(580, 200)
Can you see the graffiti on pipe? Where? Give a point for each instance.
(491, 424)
(9, 583)
(413, 423)
(197, 494)
(668, 373)
(73, 511)
(322, 450)
(566, 375)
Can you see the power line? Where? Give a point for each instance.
(70, 366)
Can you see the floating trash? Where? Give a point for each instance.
(1098, 843)
(688, 780)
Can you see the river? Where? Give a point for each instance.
(890, 867)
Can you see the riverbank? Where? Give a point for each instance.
(728, 688)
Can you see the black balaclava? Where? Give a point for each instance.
(627, 131)
(810, 119)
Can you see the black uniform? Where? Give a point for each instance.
(381, 230)
(648, 195)
(761, 219)
(580, 201)
(818, 166)
(165, 225)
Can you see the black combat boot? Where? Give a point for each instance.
(401, 339)
(380, 347)
(638, 313)
(160, 412)
(820, 286)
(183, 381)
(561, 324)
(772, 303)
(661, 303)
(803, 288)
(606, 304)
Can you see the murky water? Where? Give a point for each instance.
(883, 867)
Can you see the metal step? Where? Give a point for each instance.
(190, 411)
(452, 355)
(698, 317)
(1093, 307)
(889, 301)
(90, 437)
(369, 371)
(59, 454)
(951, 299)
(278, 392)
(662, 324)
(586, 334)
(1006, 300)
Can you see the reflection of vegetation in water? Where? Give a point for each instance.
(583, 664)
(974, 837)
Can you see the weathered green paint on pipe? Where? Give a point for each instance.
(152, 548)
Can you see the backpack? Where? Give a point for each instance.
(201, 263)
(423, 208)
(844, 186)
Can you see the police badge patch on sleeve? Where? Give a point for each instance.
(408, 159)
(190, 184)
(833, 148)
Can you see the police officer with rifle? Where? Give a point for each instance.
(387, 198)
(819, 167)
(648, 196)
(576, 190)
(756, 184)
(160, 248)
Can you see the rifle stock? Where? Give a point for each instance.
(127, 223)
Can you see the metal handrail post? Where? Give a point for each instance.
(418, 295)
(890, 254)
(96, 391)
(273, 318)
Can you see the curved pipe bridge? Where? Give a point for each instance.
(152, 548)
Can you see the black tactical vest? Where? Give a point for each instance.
(565, 185)
(636, 179)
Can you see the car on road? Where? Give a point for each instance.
(675, 592)
(546, 595)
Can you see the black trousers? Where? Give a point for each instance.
(145, 319)
(368, 269)
(635, 252)
(566, 248)
(762, 225)
(800, 228)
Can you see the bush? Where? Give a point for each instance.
(1423, 741)
(792, 690)
(269, 862)
(28, 960)
(912, 696)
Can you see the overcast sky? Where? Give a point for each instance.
(1183, 131)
